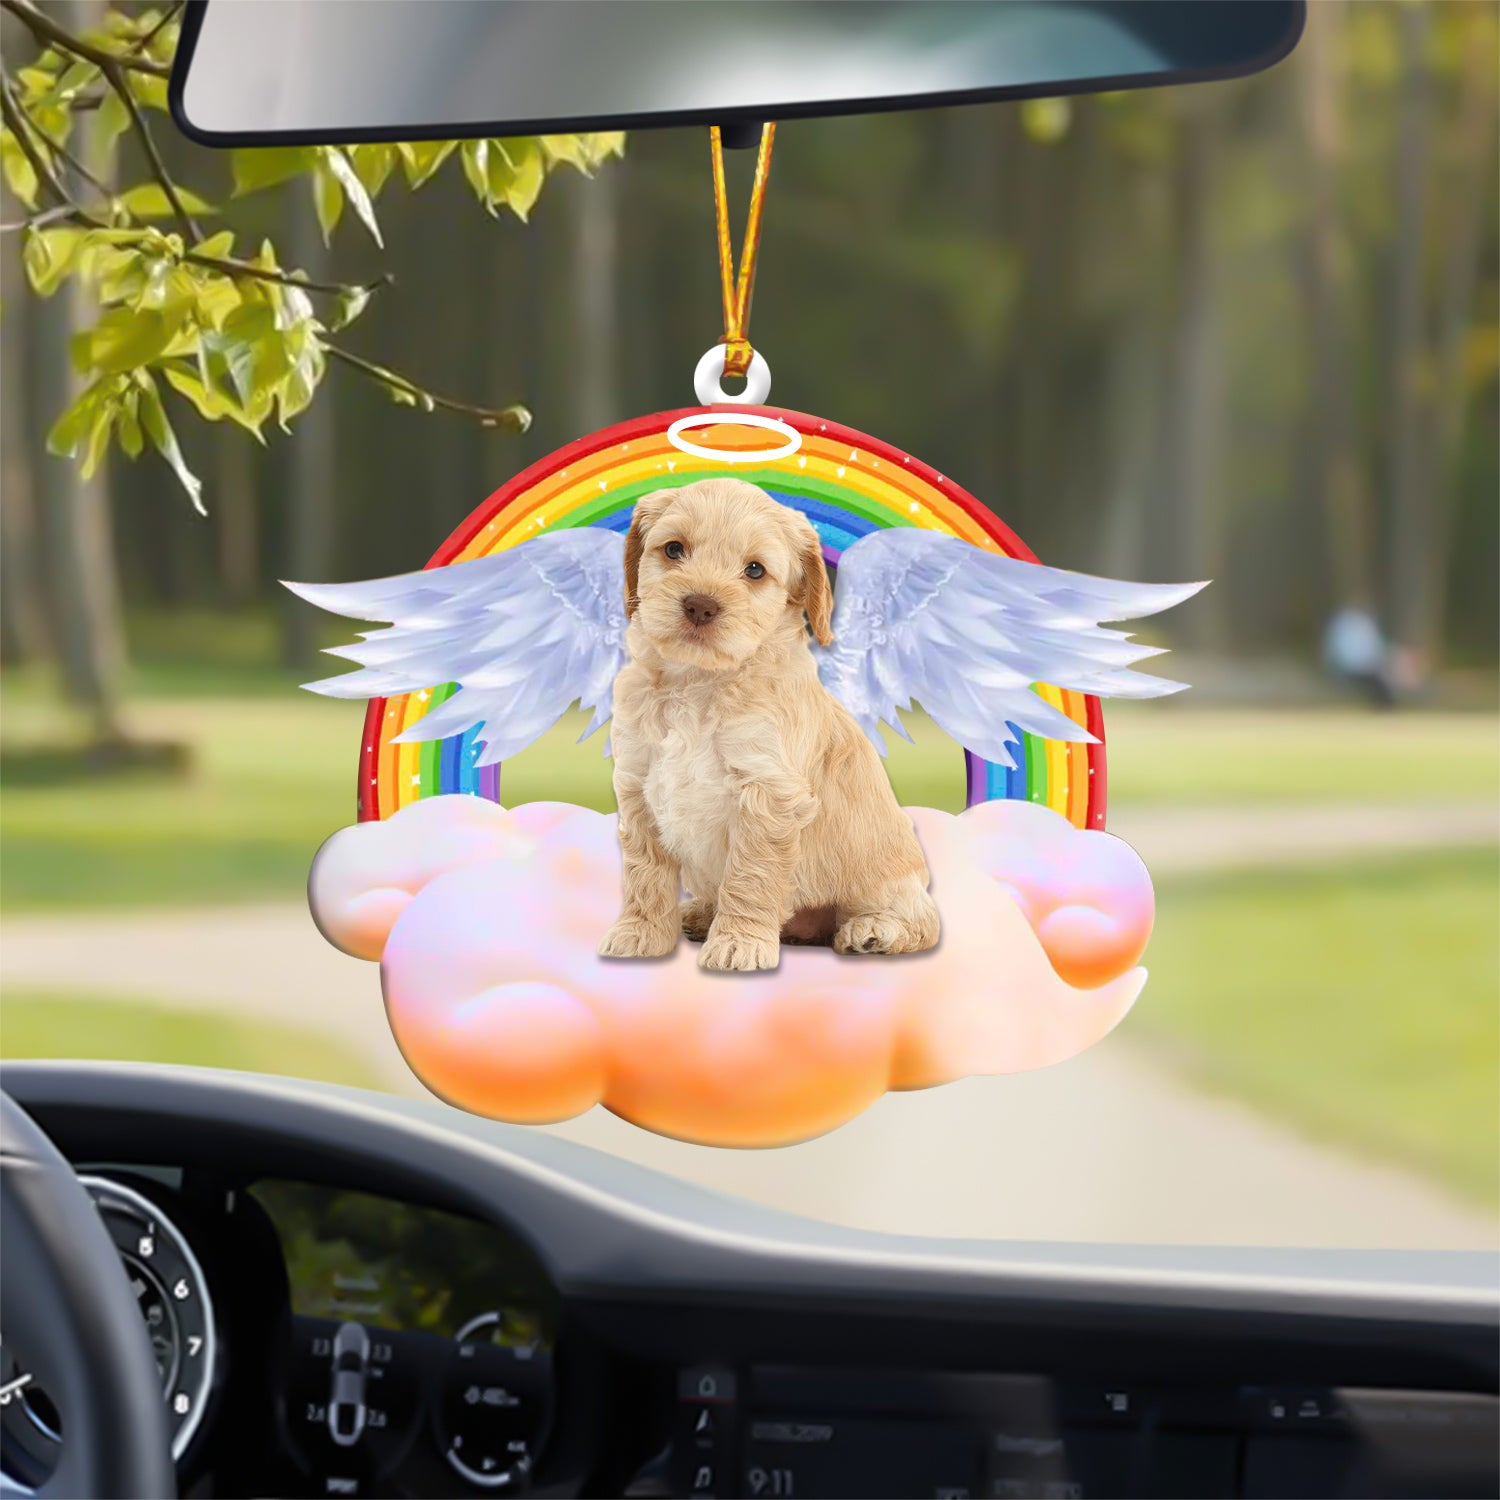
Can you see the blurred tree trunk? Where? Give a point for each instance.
(1414, 503)
(236, 515)
(310, 454)
(974, 173)
(23, 621)
(1463, 253)
(594, 212)
(1194, 409)
(1131, 394)
(83, 597)
(1335, 465)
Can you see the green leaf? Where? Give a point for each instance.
(264, 167)
(328, 199)
(565, 148)
(150, 91)
(421, 159)
(212, 405)
(354, 190)
(1046, 120)
(125, 338)
(20, 175)
(36, 83)
(96, 439)
(68, 431)
(374, 164)
(349, 305)
(153, 293)
(359, 200)
(129, 424)
(159, 430)
(119, 273)
(476, 160)
(217, 245)
(50, 254)
(113, 119)
(600, 145)
(77, 76)
(248, 331)
(398, 388)
(525, 172)
(302, 380)
(149, 201)
(84, 428)
(218, 296)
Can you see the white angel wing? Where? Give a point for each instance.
(524, 633)
(968, 632)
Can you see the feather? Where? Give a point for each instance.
(969, 633)
(525, 633)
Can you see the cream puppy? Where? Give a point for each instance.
(738, 776)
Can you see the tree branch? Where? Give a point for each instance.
(121, 85)
(41, 220)
(140, 44)
(10, 112)
(228, 265)
(509, 418)
(55, 146)
(47, 31)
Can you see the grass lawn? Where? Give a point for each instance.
(75, 1026)
(1359, 1003)
(272, 773)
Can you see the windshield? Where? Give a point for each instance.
(1245, 333)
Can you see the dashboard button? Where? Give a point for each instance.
(1296, 1408)
(1111, 1404)
(714, 1385)
(703, 1430)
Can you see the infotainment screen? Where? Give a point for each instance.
(356, 1257)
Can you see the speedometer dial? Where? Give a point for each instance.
(172, 1296)
(496, 1400)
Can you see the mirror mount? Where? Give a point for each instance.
(741, 135)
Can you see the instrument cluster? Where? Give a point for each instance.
(362, 1345)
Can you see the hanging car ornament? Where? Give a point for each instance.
(488, 920)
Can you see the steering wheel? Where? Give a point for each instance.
(66, 1306)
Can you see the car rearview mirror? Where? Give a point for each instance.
(338, 70)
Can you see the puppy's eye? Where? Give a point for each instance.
(754, 570)
(675, 550)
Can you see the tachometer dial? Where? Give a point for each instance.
(173, 1299)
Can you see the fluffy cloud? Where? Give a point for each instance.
(486, 923)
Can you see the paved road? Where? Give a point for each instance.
(1187, 840)
(1110, 1146)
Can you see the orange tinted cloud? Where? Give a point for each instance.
(486, 923)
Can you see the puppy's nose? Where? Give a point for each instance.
(700, 608)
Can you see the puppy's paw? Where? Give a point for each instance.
(740, 950)
(883, 932)
(697, 918)
(632, 938)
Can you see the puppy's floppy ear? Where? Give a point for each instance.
(647, 509)
(814, 594)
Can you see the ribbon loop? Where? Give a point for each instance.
(737, 288)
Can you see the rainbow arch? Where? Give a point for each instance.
(846, 482)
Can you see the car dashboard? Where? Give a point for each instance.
(350, 1294)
